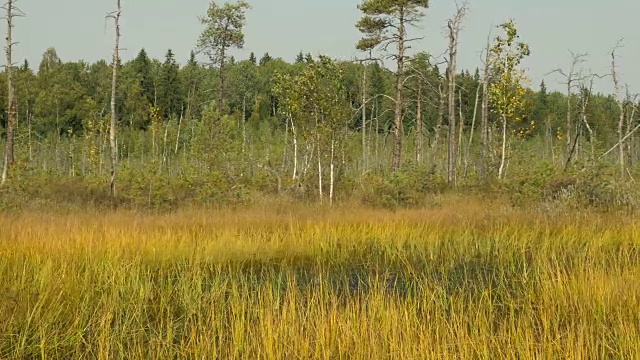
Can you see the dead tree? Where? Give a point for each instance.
(473, 126)
(453, 26)
(484, 117)
(585, 97)
(630, 145)
(12, 109)
(435, 145)
(620, 100)
(114, 91)
(572, 80)
(364, 95)
(419, 127)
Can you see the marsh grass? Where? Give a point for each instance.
(466, 280)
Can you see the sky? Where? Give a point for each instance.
(78, 31)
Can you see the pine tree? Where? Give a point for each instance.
(265, 59)
(142, 69)
(224, 26)
(169, 89)
(384, 25)
(191, 80)
(192, 59)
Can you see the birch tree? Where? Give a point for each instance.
(507, 91)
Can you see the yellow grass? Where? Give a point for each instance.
(467, 280)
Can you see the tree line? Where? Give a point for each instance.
(315, 125)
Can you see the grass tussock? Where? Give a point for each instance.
(465, 280)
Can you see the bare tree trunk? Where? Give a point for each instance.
(72, 170)
(453, 25)
(484, 118)
(574, 148)
(552, 150)
(630, 144)
(461, 121)
(165, 152)
(630, 134)
(221, 98)
(308, 158)
(376, 109)
(332, 173)
(504, 148)
(320, 189)
(585, 105)
(419, 131)
(295, 148)
(473, 126)
(571, 78)
(12, 110)
(398, 125)
(178, 132)
(451, 143)
(439, 122)
(364, 118)
(114, 91)
(285, 150)
(29, 134)
(568, 129)
(244, 124)
(620, 100)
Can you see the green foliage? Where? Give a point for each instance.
(592, 187)
(170, 98)
(408, 188)
(265, 59)
(62, 136)
(383, 18)
(598, 189)
(507, 87)
(142, 72)
(223, 29)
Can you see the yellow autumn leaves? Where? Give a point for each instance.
(507, 93)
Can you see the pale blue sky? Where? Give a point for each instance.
(76, 28)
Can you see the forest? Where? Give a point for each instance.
(229, 131)
(390, 206)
